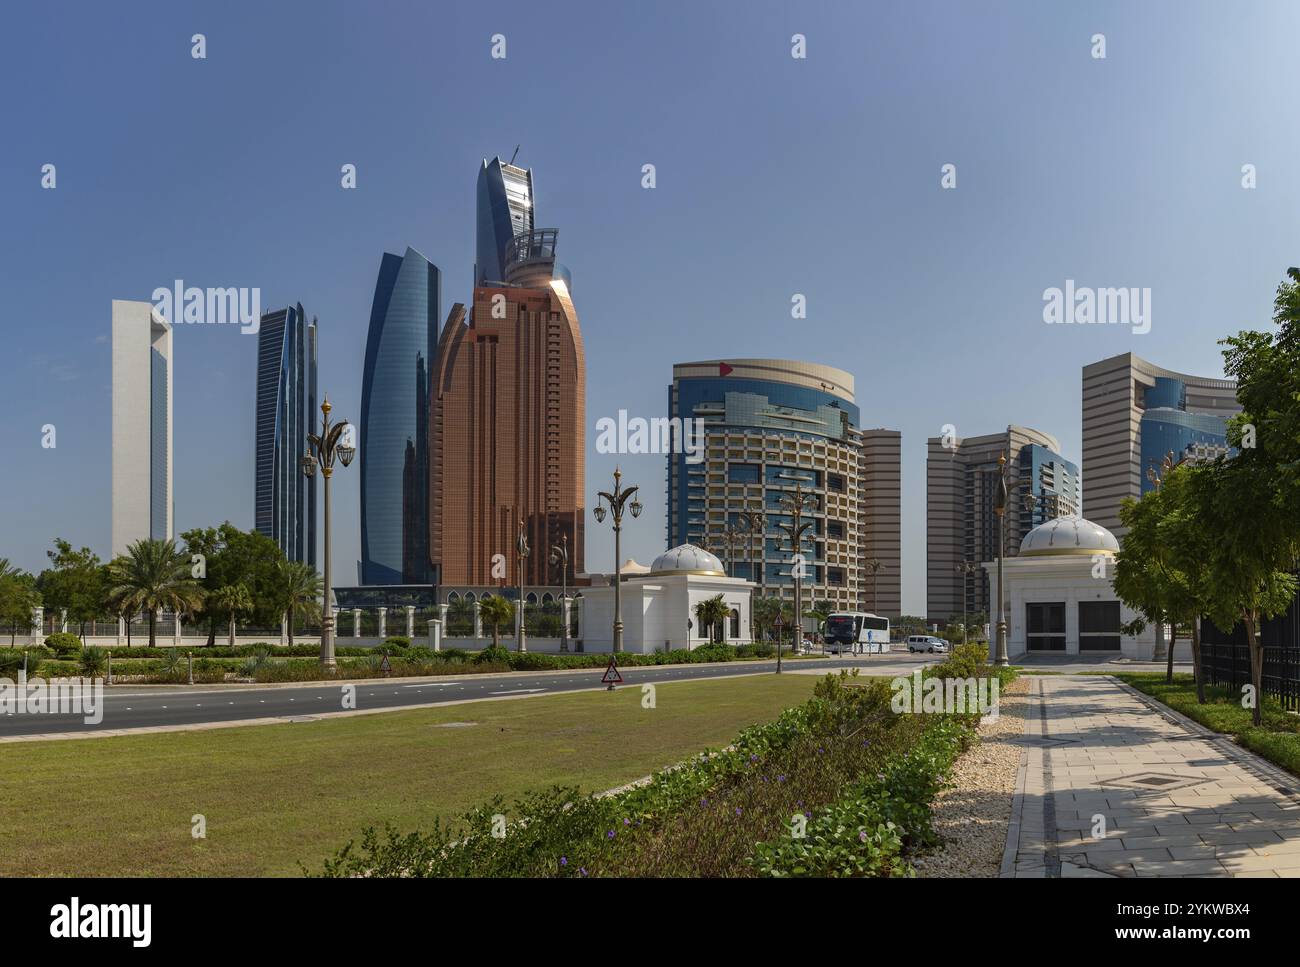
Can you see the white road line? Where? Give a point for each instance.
(516, 691)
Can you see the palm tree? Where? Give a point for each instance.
(298, 589)
(232, 599)
(711, 613)
(496, 611)
(152, 576)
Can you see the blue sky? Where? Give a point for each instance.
(775, 176)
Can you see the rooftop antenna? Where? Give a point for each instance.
(513, 156)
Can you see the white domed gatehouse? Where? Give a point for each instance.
(659, 603)
(1060, 596)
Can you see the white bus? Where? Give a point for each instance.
(856, 632)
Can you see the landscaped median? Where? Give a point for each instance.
(839, 786)
(1277, 738)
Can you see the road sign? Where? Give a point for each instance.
(611, 676)
(385, 666)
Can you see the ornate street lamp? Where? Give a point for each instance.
(333, 441)
(521, 548)
(753, 521)
(1000, 508)
(797, 505)
(560, 556)
(616, 501)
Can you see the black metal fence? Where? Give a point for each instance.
(1225, 656)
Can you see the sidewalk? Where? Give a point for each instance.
(1177, 799)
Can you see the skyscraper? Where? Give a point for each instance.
(393, 444)
(142, 425)
(1134, 414)
(504, 209)
(769, 424)
(284, 500)
(961, 482)
(507, 426)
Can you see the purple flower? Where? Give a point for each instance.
(611, 834)
(780, 778)
(627, 822)
(704, 802)
(583, 871)
(862, 836)
(564, 861)
(737, 810)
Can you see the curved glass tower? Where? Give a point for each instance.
(505, 209)
(284, 500)
(393, 445)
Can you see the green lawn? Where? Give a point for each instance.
(274, 795)
(1277, 739)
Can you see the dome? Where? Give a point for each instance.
(687, 559)
(1068, 535)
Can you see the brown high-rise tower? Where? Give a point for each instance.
(507, 426)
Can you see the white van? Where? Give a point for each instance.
(927, 643)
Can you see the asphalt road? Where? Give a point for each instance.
(163, 706)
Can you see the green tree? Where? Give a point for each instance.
(765, 612)
(711, 613)
(298, 591)
(234, 556)
(233, 600)
(1145, 577)
(152, 576)
(496, 611)
(19, 598)
(74, 582)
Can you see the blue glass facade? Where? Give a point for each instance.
(504, 210)
(393, 439)
(284, 500)
(1167, 427)
(1054, 483)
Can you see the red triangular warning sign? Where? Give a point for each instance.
(611, 676)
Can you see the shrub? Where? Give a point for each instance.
(713, 653)
(64, 644)
(93, 662)
(493, 656)
(11, 663)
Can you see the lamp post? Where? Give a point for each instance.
(334, 440)
(560, 556)
(616, 501)
(874, 565)
(966, 569)
(521, 548)
(753, 521)
(796, 505)
(1000, 508)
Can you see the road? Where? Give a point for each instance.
(171, 706)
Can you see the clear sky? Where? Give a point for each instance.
(775, 176)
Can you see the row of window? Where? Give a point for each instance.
(1099, 626)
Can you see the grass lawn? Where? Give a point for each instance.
(277, 794)
(1277, 739)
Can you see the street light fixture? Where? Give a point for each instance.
(1000, 508)
(334, 440)
(521, 548)
(616, 501)
(796, 505)
(560, 556)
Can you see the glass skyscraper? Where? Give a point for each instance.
(284, 500)
(393, 443)
(1167, 427)
(505, 209)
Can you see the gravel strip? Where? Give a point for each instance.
(971, 815)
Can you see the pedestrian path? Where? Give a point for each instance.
(1112, 783)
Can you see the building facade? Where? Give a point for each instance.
(768, 426)
(504, 210)
(284, 506)
(142, 425)
(507, 428)
(393, 433)
(961, 484)
(1134, 414)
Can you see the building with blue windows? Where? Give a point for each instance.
(504, 210)
(393, 445)
(284, 501)
(1168, 427)
(764, 427)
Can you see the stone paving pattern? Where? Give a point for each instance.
(1177, 799)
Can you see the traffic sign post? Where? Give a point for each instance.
(611, 676)
(385, 666)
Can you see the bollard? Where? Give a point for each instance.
(189, 657)
(110, 669)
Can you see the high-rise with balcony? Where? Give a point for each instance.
(504, 209)
(393, 433)
(142, 425)
(770, 425)
(1134, 414)
(284, 501)
(507, 426)
(961, 483)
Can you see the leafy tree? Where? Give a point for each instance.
(233, 556)
(74, 582)
(496, 611)
(152, 576)
(1145, 578)
(18, 598)
(233, 599)
(711, 613)
(765, 612)
(297, 592)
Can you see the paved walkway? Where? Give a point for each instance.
(1175, 798)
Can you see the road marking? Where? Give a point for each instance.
(517, 691)
(432, 685)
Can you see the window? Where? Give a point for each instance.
(835, 482)
(835, 575)
(1045, 626)
(735, 625)
(835, 529)
(1099, 626)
